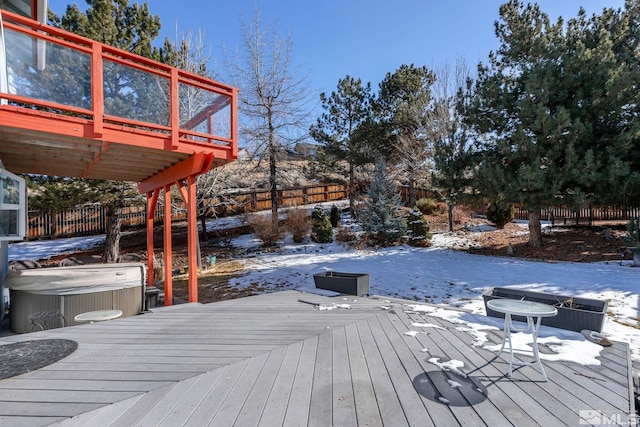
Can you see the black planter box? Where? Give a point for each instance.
(345, 283)
(574, 313)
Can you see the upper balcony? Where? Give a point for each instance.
(71, 106)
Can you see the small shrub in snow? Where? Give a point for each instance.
(632, 238)
(334, 216)
(321, 230)
(500, 213)
(427, 206)
(262, 227)
(345, 234)
(298, 223)
(418, 229)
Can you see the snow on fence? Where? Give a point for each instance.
(91, 219)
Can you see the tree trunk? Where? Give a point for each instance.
(451, 206)
(273, 183)
(535, 229)
(112, 239)
(352, 191)
(412, 191)
(203, 224)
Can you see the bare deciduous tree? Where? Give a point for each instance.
(453, 149)
(416, 146)
(273, 96)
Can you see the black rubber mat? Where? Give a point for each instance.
(22, 357)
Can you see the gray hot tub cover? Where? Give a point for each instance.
(77, 279)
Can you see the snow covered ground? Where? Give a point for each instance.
(435, 275)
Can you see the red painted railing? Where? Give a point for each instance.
(52, 70)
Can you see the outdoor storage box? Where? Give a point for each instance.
(345, 283)
(574, 313)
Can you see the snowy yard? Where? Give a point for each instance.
(436, 274)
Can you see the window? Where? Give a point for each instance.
(13, 206)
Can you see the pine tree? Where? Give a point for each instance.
(346, 110)
(557, 108)
(381, 218)
(402, 107)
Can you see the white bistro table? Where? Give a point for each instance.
(98, 316)
(531, 310)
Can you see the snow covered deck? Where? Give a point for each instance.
(273, 360)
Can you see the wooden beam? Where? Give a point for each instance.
(191, 166)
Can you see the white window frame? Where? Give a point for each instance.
(19, 209)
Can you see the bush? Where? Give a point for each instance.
(263, 229)
(321, 230)
(633, 232)
(418, 229)
(334, 216)
(298, 224)
(427, 206)
(500, 213)
(345, 234)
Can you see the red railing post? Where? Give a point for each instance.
(97, 88)
(174, 110)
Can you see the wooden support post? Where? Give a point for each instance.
(168, 278)
(192, 238)
(152, 202)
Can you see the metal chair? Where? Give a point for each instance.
(45, 320)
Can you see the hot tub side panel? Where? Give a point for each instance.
(24, 304)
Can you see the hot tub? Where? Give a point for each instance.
(74, 290)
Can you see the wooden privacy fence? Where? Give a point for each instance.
(91, 219)
(564, 215)
(421, 193)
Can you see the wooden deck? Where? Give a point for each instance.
(271, 360)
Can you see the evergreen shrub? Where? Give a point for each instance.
(418, 229)
(633, 232)
(321, 230)
(500, 213)
(335, 216)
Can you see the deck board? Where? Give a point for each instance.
(366, 409)
(217, 394)
(344, 413)
(320, 408)
(299, 402)
(271, 360)
(388, 402)
(279, 397)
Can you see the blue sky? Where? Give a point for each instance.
(362, 38)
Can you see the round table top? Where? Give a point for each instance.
(98, 316)
(522, 308)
